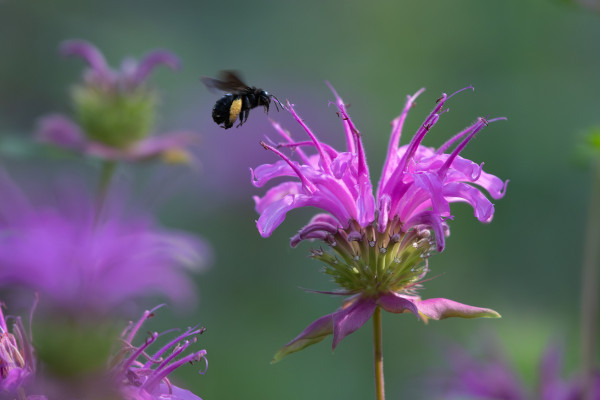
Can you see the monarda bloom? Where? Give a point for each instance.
(17, 361)
(379, 244)
(87, 261)
(491, 377)
(140, 374)
(115, 110)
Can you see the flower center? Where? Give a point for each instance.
(116, 118)
(364, 260)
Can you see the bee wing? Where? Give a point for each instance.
(233, 80)
(229, 81)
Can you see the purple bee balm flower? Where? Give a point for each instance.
(83, 261)
(380, 244)
(493, 378)
(115, 111)
(17, 360)
(140, 375)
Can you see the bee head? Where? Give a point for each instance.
(264, 98)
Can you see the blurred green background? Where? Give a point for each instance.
(536, 62)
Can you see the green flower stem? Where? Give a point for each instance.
(589, 292)
(378, 355)
(108, 170)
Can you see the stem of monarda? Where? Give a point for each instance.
(589, 292)
(108, 169)
(378, 355)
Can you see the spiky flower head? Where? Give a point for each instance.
(85, 261)
(115, 110)
(17, 360)
(379, 245)
(491, 377)
(139, 374)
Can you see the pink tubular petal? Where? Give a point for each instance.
(151, 61)
(325, 159)
(394, 141)
(347, 123)
(314, 333)
(440, 308)
(350, 318)
(397, 304)
(433, 186)
(265, 172)
(383, 212)
(494, 185)
(88, 52)
(463, 192)
(274, 214)
(284, 134)
(60, 131)
(309, 186)
(276, 193)
(473, 130)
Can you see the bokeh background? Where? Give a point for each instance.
(536, 62)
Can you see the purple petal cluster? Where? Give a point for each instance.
(141, 375)
(17, 360)
(83, 260)
(115, 110)
(379, 242)
(492, 378)
(417, 184)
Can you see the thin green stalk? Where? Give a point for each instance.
(378, 355)
(589, 292)
(108, 170)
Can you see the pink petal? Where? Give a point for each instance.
(349, 319)
(397, 304)
(314, 333)
(440, 308)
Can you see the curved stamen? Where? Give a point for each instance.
(475, 128)
(133, 329)
(132, 359)
(284, 134)
(296, 145)
(190, 331)
(309, 186)
(158, 377)
(347, 123)
(397, 125)
(326, 161)
(461, 90)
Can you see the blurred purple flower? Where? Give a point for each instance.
(140, 375)
(380, 244)
(115, 111)
(494, 379)
(84, 261)
(17, 361)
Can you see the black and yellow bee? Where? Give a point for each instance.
(238, 101)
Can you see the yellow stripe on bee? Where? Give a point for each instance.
(234, 110)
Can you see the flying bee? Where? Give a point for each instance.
(238, 101)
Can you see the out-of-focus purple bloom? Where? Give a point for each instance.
(140, 375)
(17, 361)
(380, 244)
(493, 378)
(115, 110)
(80, 260)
